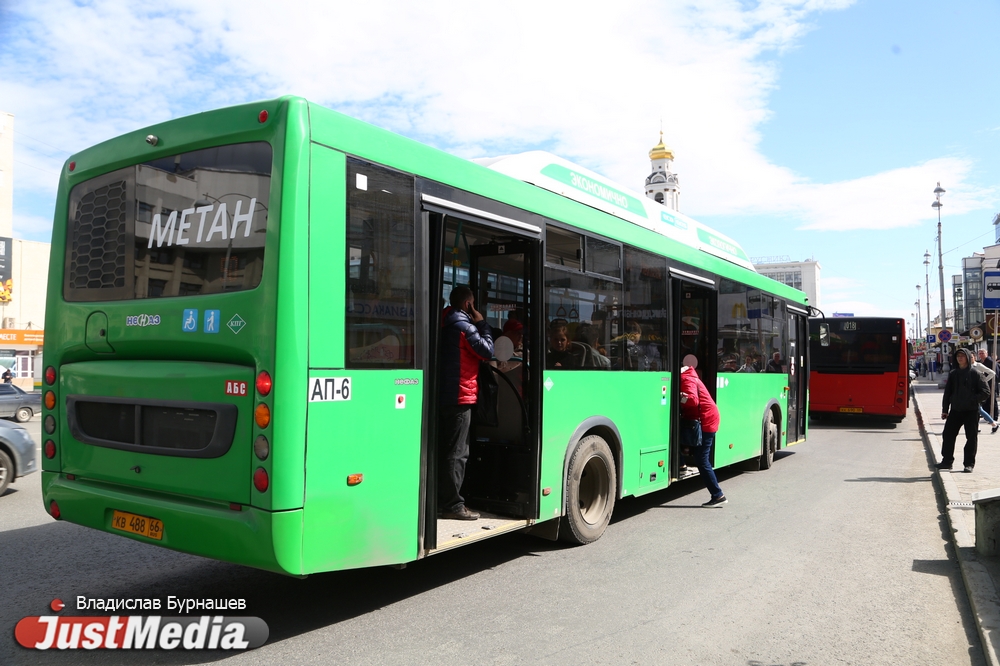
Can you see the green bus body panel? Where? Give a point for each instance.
(374, 522)
(287, 460)
(200, 528)
(226, 478)
(742, 400)
(286, 532)
(327, 257)
(632, 401)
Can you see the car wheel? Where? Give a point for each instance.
(6, 471)
(23, 414)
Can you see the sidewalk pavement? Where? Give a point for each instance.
(981, 574)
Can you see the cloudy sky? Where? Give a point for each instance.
(812, 128)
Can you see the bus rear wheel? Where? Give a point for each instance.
(769, 441)
(591, 487)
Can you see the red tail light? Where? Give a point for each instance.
(54, 510)
(262, 116)
(263, 383)
(260, 480)
(50, 449)
(50, 375)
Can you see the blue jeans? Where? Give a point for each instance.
(700, 447)
(984, 414)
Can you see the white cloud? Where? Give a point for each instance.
(588, 80)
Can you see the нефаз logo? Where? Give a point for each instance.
(137, 632)
(143, 320)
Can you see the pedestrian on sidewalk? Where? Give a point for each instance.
(960, 409)
(987, 375)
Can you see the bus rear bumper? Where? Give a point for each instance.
(209, 529)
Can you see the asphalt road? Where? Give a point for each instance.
(837, 555)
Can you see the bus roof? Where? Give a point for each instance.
(578, 183)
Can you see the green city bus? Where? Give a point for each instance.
(242, 341)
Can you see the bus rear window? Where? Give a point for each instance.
(856, 345)
(188, 224)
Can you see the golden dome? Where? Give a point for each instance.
(660, 151)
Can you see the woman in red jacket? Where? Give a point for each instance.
(699, 423)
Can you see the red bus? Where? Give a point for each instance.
(858, 365)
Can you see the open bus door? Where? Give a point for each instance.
(504, 272)
(798, 375)
(694, 333)
(503, 470)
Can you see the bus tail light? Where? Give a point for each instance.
(261, 447)
(262, 116)
(50, 449)
(263, 383)
(262, 415)
(50, 400)
(260, 480)
(355, 479)
(50, 375)
(54, 510)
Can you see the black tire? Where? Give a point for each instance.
(769, 441)
(6, 471)
(591, 488)
(23, 414)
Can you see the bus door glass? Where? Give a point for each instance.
(694, 335)
(797, 335)
(502, 474)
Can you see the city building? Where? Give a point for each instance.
(803, 275)
(662, 185)
(958, 300)
(24, 269)
(972, 292)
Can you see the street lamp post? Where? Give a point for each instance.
(927, 281)
(920, 329)
(945, 369)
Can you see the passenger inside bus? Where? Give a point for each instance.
(642, 353)
(558, 356)
(595, 356)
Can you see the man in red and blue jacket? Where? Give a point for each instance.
(699, 422)
(466, 341)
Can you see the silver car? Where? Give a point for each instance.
(17, 453)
